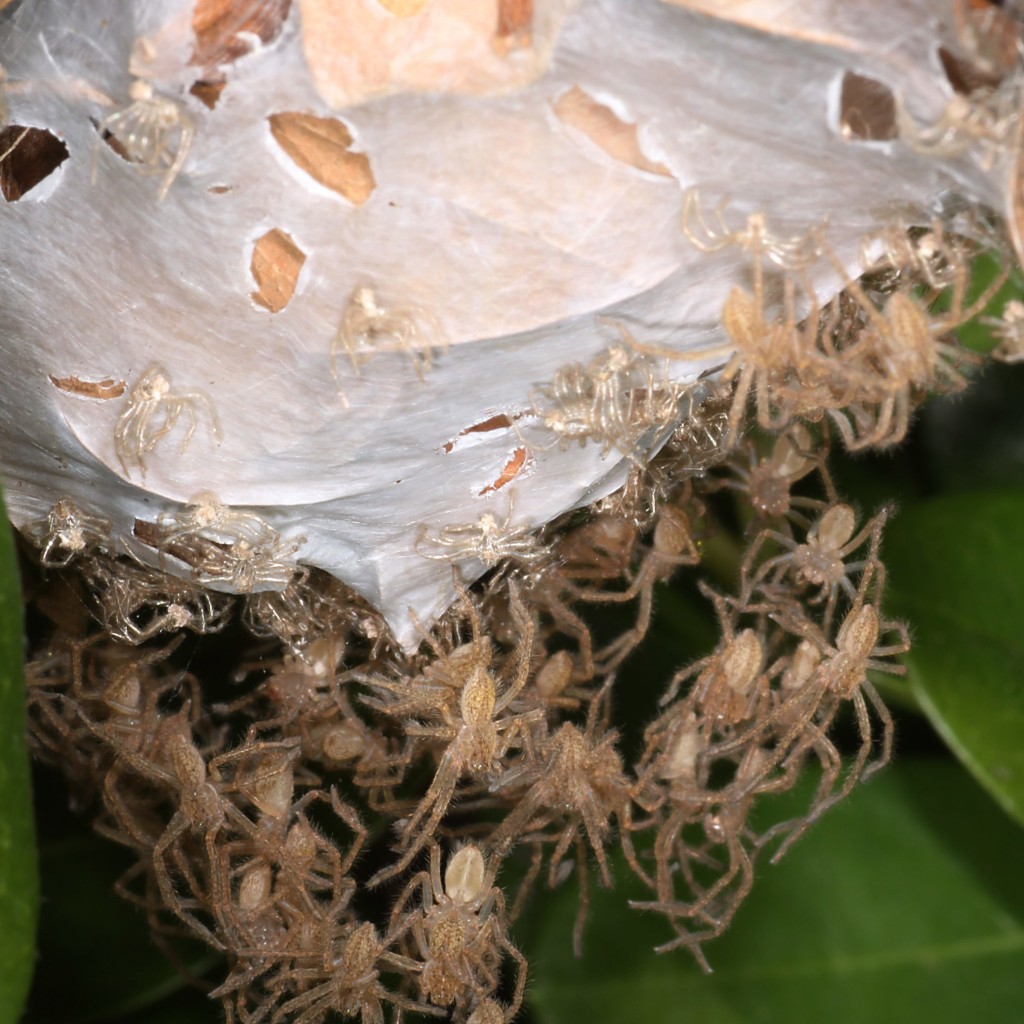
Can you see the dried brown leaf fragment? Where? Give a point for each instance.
(103, 389)
(276, 264)
(224, 28)
(578, 109)
(320, 147)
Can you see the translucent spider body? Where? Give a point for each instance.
(486, 540)
(699, 442)
(315, 606)
(983, 121)
(70, 532)
(292, 615)
(137, 603)
(714, 235)
(477, 732)
(154, 134)
(206, 516)
(458, 931)
(152, 412)
(246, 567)
(615, 400)
(368, 328)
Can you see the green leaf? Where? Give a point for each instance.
(97, 958)
(902, 904)
(957, 575)
(19, 892)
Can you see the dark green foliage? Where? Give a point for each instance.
(19, 897)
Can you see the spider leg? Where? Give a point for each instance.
(887, 729)
(681, 677)
(582, 869)
(149, 434)
(175, 829)
(184, 145)
(884, 432)
(435, 801)
(738, 409)
(830, 775)
(629, 851)
(842, 420)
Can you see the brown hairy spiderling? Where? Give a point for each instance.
(768, 481)
(458, 932)
(672, 546)
(470, 720)
(821, 561)
(567, 798)
(344, 978)
(495, 740)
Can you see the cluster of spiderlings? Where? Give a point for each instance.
(323, 762)
(798, 638)
(872, 354)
